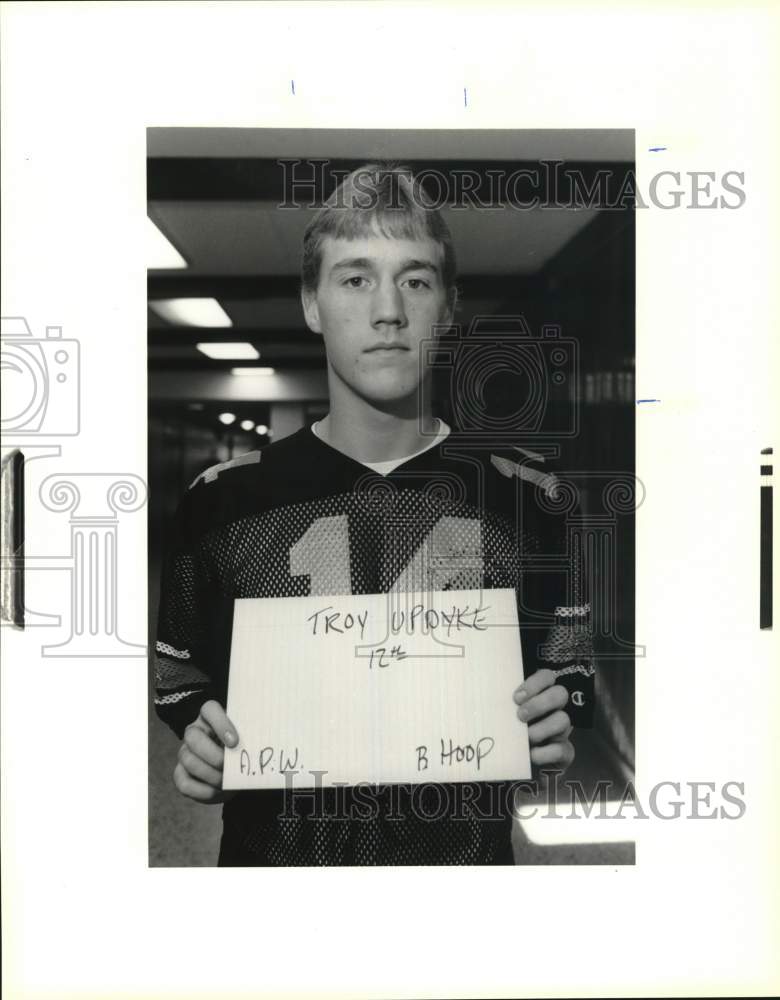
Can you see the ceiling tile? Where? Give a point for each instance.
(246, 238)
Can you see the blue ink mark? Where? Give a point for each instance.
(465, 102)
(647, 401)
(292, 84)
(657, 149)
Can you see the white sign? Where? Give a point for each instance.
(377, 689)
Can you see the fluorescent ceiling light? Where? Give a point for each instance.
(227, 418)
(191, 312)
(229, 352)
(261, 429)
(161, 254)
(252, 371)
(247, 425)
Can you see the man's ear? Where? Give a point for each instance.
(448, 312)
(311, 311)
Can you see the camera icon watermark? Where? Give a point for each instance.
(41, 399)
(505, 383)
(41, 381)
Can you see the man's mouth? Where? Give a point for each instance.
(386, 347)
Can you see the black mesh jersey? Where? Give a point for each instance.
(299, 518)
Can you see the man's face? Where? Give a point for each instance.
(377, 299)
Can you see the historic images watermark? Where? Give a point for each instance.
(41, 381)
(544, 368)
(42, 402)
(548, 184)
(520, 443)
(671, 799)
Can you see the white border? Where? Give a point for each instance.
(82, 914)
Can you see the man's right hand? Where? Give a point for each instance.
(198, 774)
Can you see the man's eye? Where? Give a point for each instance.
(355, 281)
(417, 283)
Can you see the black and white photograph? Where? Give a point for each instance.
(401, 364)
(387, 532)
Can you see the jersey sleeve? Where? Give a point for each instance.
(554, 606)
(557, 586)
(183, 679)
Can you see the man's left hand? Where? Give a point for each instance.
(540, 704)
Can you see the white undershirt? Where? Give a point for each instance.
(384, 468)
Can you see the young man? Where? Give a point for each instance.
(306, 515)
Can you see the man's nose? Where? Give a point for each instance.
(387, 305)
